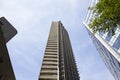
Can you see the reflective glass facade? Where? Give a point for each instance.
(110, 61)
(116, 44)
(108, 45)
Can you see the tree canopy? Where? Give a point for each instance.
(106, 16)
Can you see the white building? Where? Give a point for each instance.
(107, 45)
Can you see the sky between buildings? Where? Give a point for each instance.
(32, 19)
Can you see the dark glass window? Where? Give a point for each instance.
(116, 45)
(1, 23)
(102, 33)
(109, 36)
(1, 60)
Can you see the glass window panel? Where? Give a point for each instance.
(116, 44)
(109, 36)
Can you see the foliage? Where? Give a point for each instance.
(106, 16)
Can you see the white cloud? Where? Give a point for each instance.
(32, 19)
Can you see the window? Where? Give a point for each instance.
(1, 60)
(109, 36)
(1, 23)
(116, 44)
(102, 33)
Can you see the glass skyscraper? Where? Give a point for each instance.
(108, 45)
(58, 62)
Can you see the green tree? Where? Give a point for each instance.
(106, 16)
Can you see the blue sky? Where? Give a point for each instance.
(32, 19)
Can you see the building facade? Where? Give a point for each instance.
(7, 31)
(108, 45)
(58, 62)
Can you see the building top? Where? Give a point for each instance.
(8, 30)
